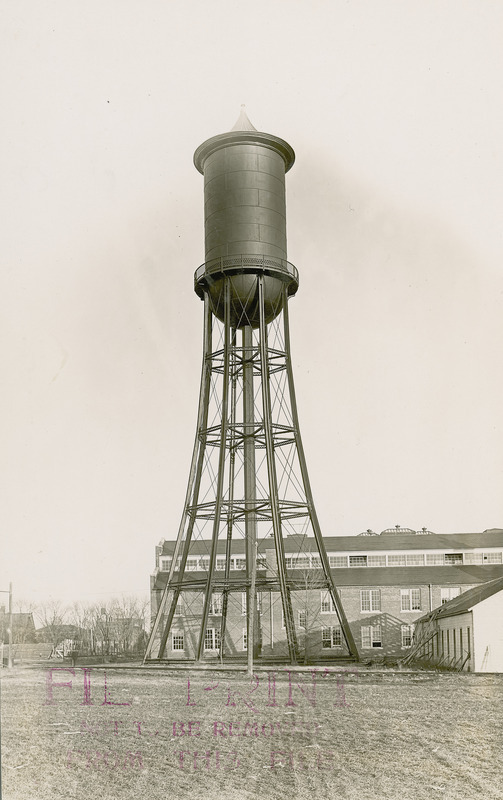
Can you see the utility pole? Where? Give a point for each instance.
(9, 629)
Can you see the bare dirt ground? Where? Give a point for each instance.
(130, 734)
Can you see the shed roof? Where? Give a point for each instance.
(464, 602)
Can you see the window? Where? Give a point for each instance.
(434, 559)
(482, 558)
(238, 563)
(303, 618)
(474, 558)
(370, 599)
(414, 560)
(396, 561)
(191, 564)
(179, 607)
(331, 636)
(376, 561)
(220, 563)
(261, 562)
(448, 593)
(357, 561)
(327, 604)
(176, 640)
(165, 564)
(338, 561)
(300, 562)
(371, 636)
(211, 639)
(407, 632)
(216, 603)
(315, 562)
(410, 599)
(204, 563)
(491, 558)
(453, 558)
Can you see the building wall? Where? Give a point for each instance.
(488, 634)
(384, 631)
(448, 643)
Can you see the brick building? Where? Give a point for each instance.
(386, 582)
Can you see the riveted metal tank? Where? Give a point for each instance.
(245, 221)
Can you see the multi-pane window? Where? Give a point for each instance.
(410, 599)
(414, 559)
(303, 618)
(434, 559)
(482, 558)
(300, 562)
(453, 558)
(179, 606)
(204, 563)
(376, 561)
(211, 639)
(261, 562)
(331, 636)
(357, 561)
(371, 636)
(370, 599)
(239, 563)
(327, 604)
(407, 633)
(338, 561)
(448, 592)
(491, 558)
(315, 562)
(220, 563)
(165, 564)
(244, 601)
(244, 641)
(216, 603)
(177, 640)
(397, 561)
(191, 564)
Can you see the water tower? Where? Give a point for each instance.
(248, 487)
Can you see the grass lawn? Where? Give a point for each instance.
(381, 735)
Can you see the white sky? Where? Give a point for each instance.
(394, 220)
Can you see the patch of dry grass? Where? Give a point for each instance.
(403, 737)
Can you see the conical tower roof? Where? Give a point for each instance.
(242, 122)
(243, 132)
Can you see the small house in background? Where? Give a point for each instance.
(465, 633)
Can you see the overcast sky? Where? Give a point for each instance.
(394, 210)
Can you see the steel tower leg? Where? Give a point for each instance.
(273, 482)
(250, 483)
(192, 490)
(346, 630)
(230, 509)
(224, 428)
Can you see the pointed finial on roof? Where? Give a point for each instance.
(243, 123)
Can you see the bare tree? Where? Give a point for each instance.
(52, 616)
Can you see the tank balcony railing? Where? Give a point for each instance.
(246, 263)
